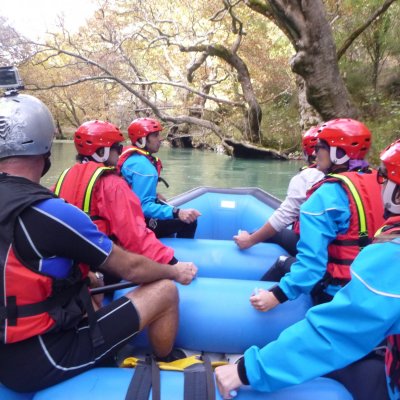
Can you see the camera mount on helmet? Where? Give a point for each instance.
(10, 80)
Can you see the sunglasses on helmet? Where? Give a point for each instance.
(321, 146)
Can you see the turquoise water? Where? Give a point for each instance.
(185, 169)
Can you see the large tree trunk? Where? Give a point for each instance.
(305, 24)
(253, 111)
(308, 115)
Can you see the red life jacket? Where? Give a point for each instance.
(76, 185)
(32, 306)
(391, 227)
(392, 358)
(366, 209)
(128, 151)
(32, 303)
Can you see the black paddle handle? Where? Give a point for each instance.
(112, 288)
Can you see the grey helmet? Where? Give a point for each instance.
(26, 126)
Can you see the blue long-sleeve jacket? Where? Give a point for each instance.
(142, 177)
(323, 216)
(335, 334)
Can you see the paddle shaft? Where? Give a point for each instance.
(112, 288)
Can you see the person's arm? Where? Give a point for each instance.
(142, 177)
(328, 338)
(286, 213)
(323, 216)
(69, 235)
(117, 204)
(139, 269)
(244, 239)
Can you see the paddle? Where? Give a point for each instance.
(112, 288)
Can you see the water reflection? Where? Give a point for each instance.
(185, 169)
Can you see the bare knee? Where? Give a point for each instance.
(154, 299)
(166, 293)
(168, 290)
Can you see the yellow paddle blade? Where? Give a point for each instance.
(177, 365)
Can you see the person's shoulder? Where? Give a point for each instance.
(59, 209)
(55, 204)
(135, 157)
(114, 182)
(136, 162)
(330, 188)
(311, 173)
(308, 177)
(376, 266)
(328, 195)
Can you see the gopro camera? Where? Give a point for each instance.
(10, 79)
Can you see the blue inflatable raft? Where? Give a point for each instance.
(112, 384)
(215, 313)
(225, 211)
(223, 259)
(215, 316)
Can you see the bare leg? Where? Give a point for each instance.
(157, 306)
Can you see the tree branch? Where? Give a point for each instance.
(349, 41)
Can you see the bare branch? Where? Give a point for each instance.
(34, 87)
(349, 41)
(196, 64)
(217, 100)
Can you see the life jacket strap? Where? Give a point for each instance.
(94, 327)
(11, 312)
(362, 241)
(199, 381)
(198, 377)
(147, 376)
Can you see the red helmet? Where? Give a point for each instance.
(390, 158)
(390, 168)
(93, 135)
(142, 127)
(309, 140)
(353, 137)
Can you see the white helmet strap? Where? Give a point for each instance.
(141, 143)
(387, 196)
(104, 158)
(334, 159)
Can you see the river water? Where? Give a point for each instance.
(185, 169)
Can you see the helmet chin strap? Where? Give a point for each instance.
(334, 159)
(141, 143)
(47, 165)
(101, 159)
(387, 196)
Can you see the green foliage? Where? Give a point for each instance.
(385, 127)
(280, 125)
(138, 41)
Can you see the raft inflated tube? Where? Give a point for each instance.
(113, 383)
(224, 211)
(215, 315)
(224, 259)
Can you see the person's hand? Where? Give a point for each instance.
(243, 240)
(227, 378)
(188, 215)
(263, 300)
(186, 272)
